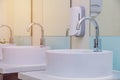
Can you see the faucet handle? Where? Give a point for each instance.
(67, 32)
(42, 42)
(11, 40)
(97, 45)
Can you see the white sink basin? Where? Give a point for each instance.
(1, 46)
(76, 63)
(24, 55)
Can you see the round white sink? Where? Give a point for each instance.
(24, 55)
(76, 63)
(1, 46)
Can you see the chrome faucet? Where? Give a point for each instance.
(97, 41)
(11, 37)
(42, 33)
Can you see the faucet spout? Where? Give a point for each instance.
(11, 37)
(42, 32)
(97, 41)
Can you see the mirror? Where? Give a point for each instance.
(52, 14)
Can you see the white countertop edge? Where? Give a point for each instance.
(35, 75)
(41, 75)
(8, 68)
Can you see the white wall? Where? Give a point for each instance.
(109, 19)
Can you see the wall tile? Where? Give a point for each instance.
(22, 40)
(52, 42)
(58, 42)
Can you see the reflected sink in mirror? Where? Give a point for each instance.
(77, 63)
(1, 46)
(24, 55)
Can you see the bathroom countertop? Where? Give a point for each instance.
(8, 68)
(41, 75)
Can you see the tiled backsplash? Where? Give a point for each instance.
(113, 44)
(58, 42)
(22, 40)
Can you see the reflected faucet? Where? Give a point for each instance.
(11, 38)
(97, 41)
(42, 32)
(67, 31)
